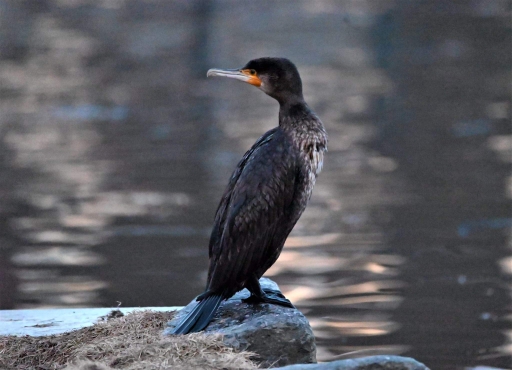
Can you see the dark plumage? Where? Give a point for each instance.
(266, 194)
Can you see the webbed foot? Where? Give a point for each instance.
(269, 296)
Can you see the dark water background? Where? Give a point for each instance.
(115, 149)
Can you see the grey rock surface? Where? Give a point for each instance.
(364, 363)
(279, 335)
(58, 320)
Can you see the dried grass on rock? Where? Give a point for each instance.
(134, 341)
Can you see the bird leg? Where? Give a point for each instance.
(259, 295)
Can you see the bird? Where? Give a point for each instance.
(266, 194)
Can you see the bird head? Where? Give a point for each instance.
(277, 77)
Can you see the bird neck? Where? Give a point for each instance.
(293, 113)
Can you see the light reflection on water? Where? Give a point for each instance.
(115, 150)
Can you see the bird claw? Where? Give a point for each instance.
(270, 296)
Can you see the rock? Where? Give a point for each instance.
(279, 335)
(364, 363)
(41, 322)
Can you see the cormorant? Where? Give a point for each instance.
(266, 194)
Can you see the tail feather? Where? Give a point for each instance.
(199, 317)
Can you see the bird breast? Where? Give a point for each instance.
(315, 154)
(312, 147)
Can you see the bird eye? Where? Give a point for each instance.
(252, 72)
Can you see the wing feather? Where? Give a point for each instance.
(249, 230)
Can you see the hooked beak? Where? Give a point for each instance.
(238, 74)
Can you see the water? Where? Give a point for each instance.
(115, 150)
